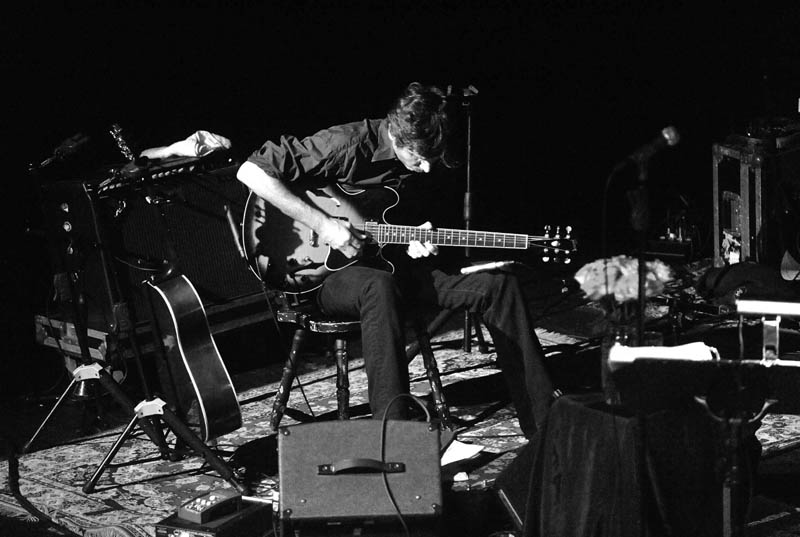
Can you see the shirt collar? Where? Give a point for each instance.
(384, 150)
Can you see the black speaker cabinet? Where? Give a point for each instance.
(182, 221)
(756, 190)
(185, 222)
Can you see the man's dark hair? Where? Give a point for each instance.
(419, 120)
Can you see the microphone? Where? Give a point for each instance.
(667, 137)
(71, 145)
(66, 148)
(486, 266)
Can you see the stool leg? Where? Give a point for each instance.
(342, 378)
(432, 371)
(482, 346)
(467, 331)
(473, 320)
(287, 378)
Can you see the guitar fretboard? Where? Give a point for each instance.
(391, 234)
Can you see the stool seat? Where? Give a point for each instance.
(318, 324)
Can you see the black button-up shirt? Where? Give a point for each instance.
(357, 154)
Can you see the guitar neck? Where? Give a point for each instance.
(391, 234)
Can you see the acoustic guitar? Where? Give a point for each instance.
(288, 255)
(201, 382)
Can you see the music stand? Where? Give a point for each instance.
(734, 393)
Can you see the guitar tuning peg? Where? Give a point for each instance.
(558, 232)
(568, 229)
(546, 251)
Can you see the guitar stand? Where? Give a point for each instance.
(94, 372)
(148, 413)
(156, 408)
(91, 371)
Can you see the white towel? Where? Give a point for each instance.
(197, 145)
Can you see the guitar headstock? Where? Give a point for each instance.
(558, 244)
(122, 144)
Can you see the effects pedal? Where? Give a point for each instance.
(250, 518)
(210, 506)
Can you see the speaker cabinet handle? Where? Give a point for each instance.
(360, 466)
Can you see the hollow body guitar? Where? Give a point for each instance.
(194, 367)
(288, 255)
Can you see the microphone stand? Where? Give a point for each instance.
(468, 93)
(640, 219)
(465, 95)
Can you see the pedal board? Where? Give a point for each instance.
(252, 519)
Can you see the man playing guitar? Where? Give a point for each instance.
(375, 155)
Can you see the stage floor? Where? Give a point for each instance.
(141, 489)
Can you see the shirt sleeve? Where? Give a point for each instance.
(291, 158)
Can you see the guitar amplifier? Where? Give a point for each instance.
(335, 471)
(182, 220)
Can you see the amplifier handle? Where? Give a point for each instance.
(360, 466)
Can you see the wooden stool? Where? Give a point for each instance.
(308, 319)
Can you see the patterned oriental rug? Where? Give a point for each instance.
(131, 498)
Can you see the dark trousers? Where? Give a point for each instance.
(379, 300)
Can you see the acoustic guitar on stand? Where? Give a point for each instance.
(204, 393)
(288, 255)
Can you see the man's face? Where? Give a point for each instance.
(410, 159)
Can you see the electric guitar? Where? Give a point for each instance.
(202, 387)
(288, 255)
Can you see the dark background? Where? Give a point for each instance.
(566, 90)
